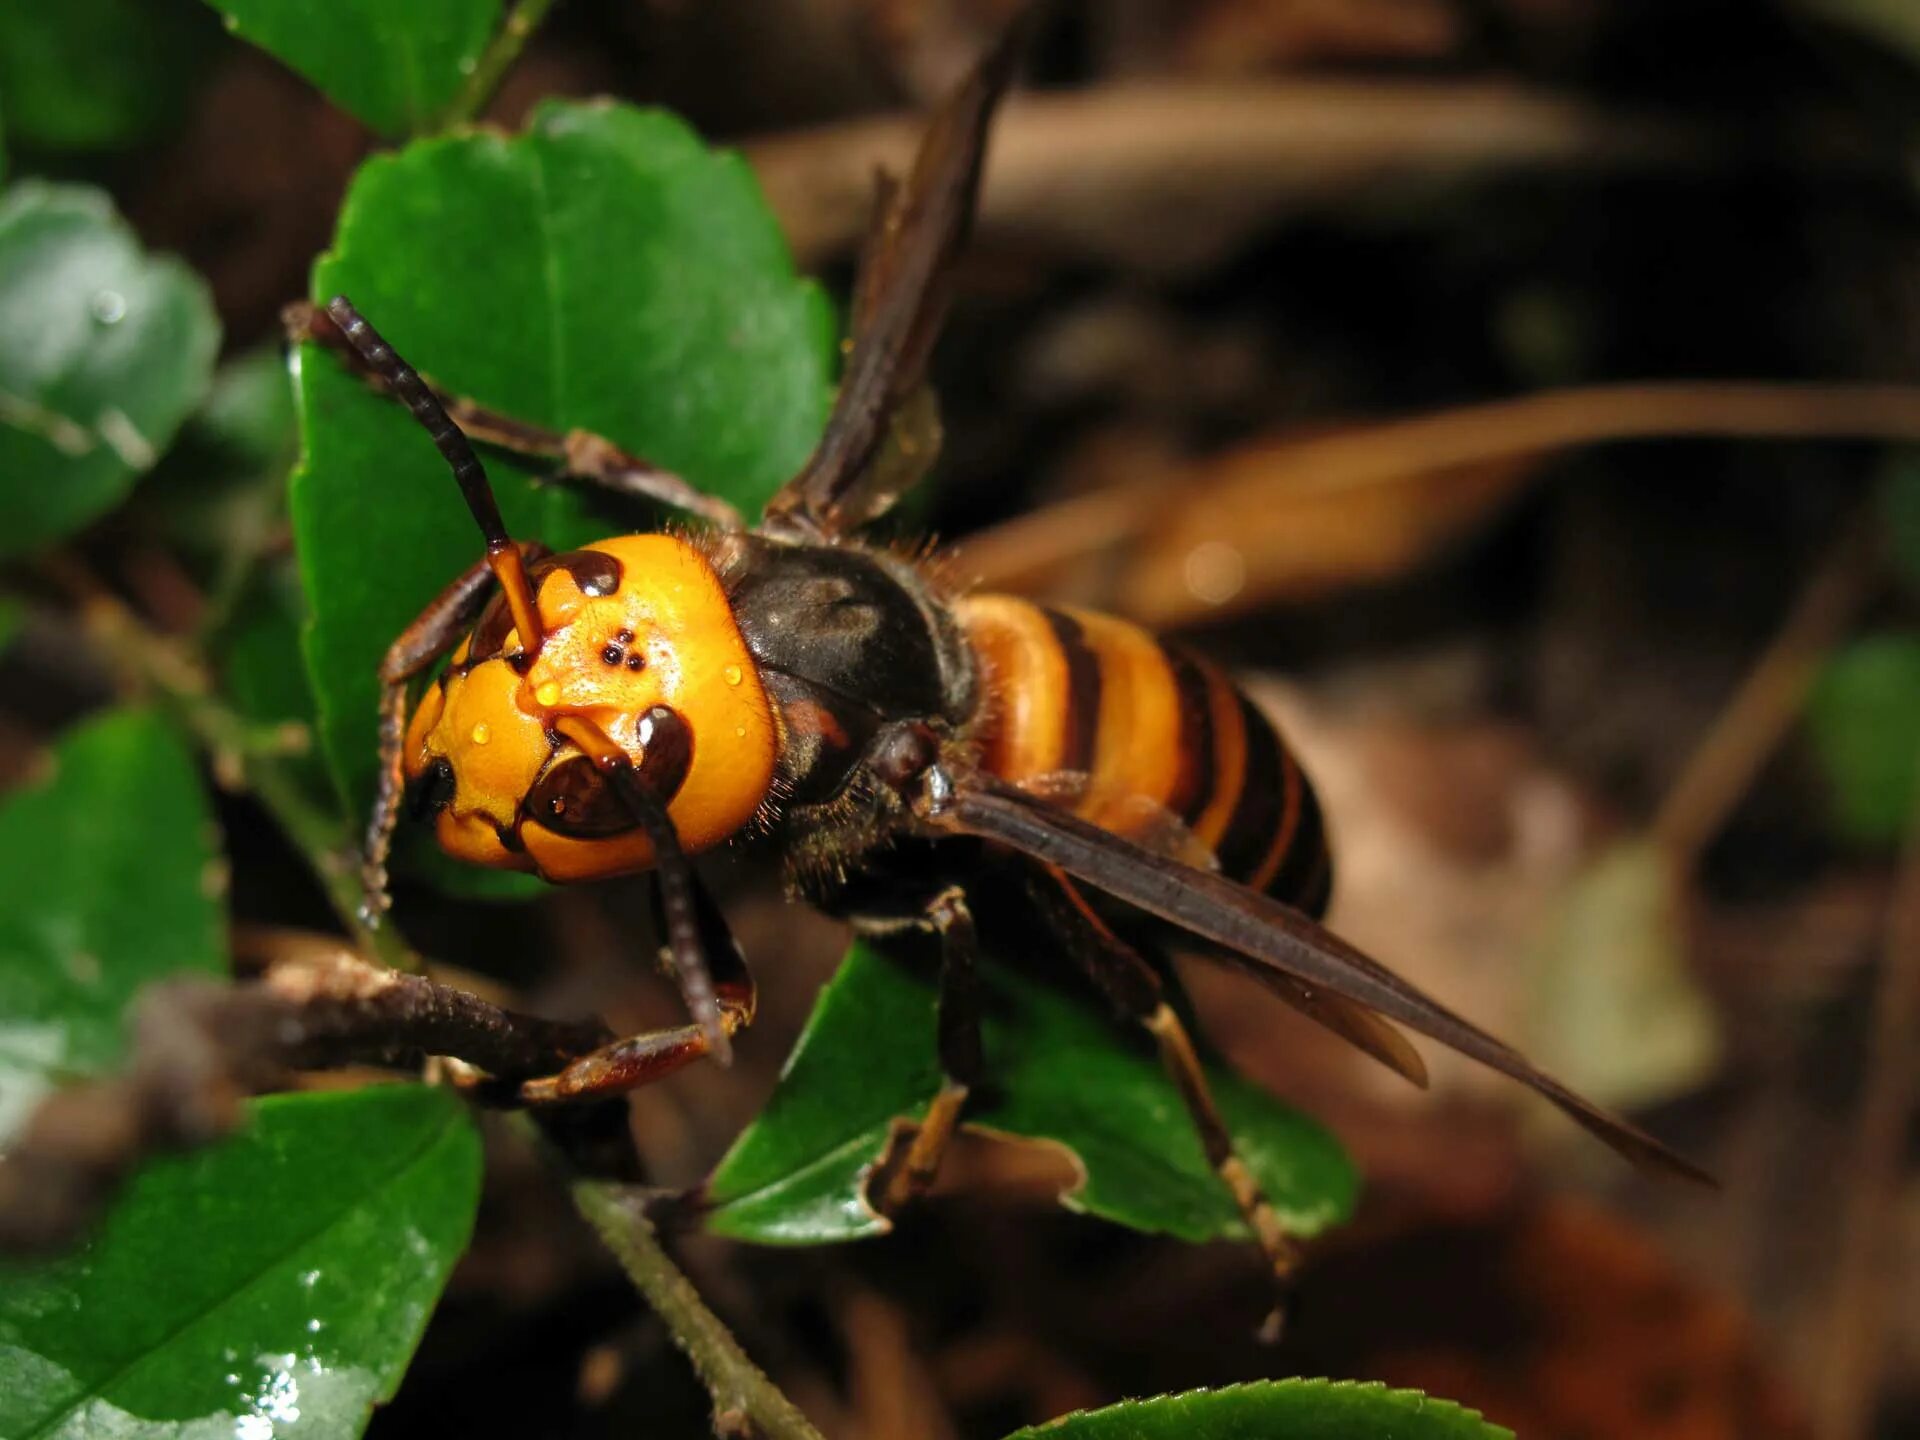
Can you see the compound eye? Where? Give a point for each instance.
(573, 798)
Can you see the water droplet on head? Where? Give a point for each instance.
(732, 672)
(548, 694)
(740, 732)
(109, 307)
(481, 734)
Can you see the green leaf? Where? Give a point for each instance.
(109, 350)
(604, 270)
(108, 879)
(393, 66)
(98, 74)
(1276, 1410)
(1864, 719)
(273, 1285)
(249, 412)
(1059, 1072)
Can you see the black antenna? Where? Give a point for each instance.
(503, 556)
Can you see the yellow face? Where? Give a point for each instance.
(641, 642)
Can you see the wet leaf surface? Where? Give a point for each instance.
(395, 67)
(1060, 1071)
(105, 871)
(1277, 1410)
(273, 1285)
(110, 350)
(604, 270)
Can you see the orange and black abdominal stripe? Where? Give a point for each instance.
(639, 641)
(1131, 735)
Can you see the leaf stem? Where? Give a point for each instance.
(743, 1396)
(501, 52)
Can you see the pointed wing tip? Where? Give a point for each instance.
(1407, 1062)
(1636, 1146)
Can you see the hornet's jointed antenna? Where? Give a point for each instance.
(503, 556)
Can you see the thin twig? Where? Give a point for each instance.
(1865, 1276)
(501, 52)
(744, 1399)
(1170, 175)
(1722, 767)
(200, 1045)
(1241, 498)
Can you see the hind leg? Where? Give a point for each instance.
(1133, 985)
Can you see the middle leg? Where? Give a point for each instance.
(961, 1059)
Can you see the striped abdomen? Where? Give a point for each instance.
(1155, 732)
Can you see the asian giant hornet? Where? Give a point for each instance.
(622, 707)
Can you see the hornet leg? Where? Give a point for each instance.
(641, 1059)
(1133, 985)
(581, 454)
(961, 1061)
(436, 630)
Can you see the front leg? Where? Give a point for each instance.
(639, 1060)
(579, 454)
(435, 631)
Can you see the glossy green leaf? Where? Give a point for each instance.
(108, 350)
(1060, 1071)
(1276, 1410)
(393, 66)
(273, 1285)
(604, 270)
(108, 879)
(98, 74)
(1865, 722)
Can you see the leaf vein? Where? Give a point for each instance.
(273, 1265)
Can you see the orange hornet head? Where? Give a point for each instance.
(640, 640)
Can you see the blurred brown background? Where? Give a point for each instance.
(1552, 690)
